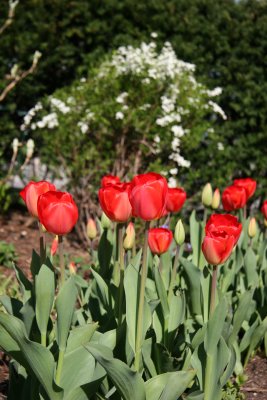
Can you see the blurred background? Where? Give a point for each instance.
(122, 87)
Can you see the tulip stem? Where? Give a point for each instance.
(42, 243)
(121, 263)
(245, 212)
(140, 318)
(59, 365)
(213, 289)
(174, 272)
(61, 260)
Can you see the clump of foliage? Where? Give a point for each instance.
(7, 254)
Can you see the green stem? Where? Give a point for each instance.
(245, 212)
(140, 318)
(43, 339)
(208, 374)
(121, 263)
(59, 366)
(174, 272)
(160, 264)
(61, 260)
(213, 290)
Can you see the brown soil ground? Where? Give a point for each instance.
(21, 230)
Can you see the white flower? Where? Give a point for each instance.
(157, 139)
(119, 115)
(214, 92)
(172, 182)
(83, 79)
(217, 109)
(121, 98)
(174, 171)
(83, 126)
(60, 105)
(220, 146)
(177, 130)
(154, 35)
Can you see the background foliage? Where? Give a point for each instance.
(227, 42)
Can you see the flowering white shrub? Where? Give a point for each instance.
(142, 108)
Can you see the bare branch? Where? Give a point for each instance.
(11, 13)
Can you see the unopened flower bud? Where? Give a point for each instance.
(105, 221)
(129, 237)
(91, 229)
(207, 195)
(72, 268)
(216, 199)
(54, 246)
(252, 228)
(30, 148)
(15, 145)
(179, 233)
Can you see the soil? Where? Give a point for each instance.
(21, 230)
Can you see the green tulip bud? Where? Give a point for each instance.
(252, 228)
(207, 195)
(216, 199)
(91, 229)
(129, 237)
(179, 233)
(105, 221)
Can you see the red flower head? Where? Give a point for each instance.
(58, 212)
(248, 184)
(148, 196)
(32, 191)
(234, 197)
(114, 200)
(109, 180)
(175, 199)
(264, 209)
(159, 240)
(224, 222)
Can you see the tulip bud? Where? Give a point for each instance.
(207, 195)
(30, 148)
(216, 199)
(252, 228)
(72, 268)
(179, 233)
(129, 237)
(105, 221)
(54, 246)
(91, 229)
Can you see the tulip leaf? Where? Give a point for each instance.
(215, 327)
(45, 292)
(102, 289)
(128, 382)
(65, 305)
(250, 264)
(12, 306)
(193, 278)
(168, 386)
(257, 335)
(80, 336)
(39, 358)
(25, 284)
(105, 252)
(195, 237)
(131, 287)
(162, 293)
(35, 263)
(241, 313)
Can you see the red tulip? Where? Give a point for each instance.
(224, 222)
(264, 209)
(148, 196)
(109, 180)
(57, 211)
(217, 247)
(248, 184)
(234, 197)
(175, 199)
(32, 191)
(159, 240)
(114, 200)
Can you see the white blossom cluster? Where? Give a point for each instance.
(30, 115)
(59, 105)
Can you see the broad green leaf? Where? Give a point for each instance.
(215, 327)
(257, 335)
(35, 263)
(246, 339)
(25, 284)
(128, 382)
(250, 263)
(44, 293)
(162, 293)
(168, 386)
(65, 305)
(131, 287)
(105, 252)
(195, 237)
(241, 313)
(193, 277)
(102, 289)
(39, 358)
(12, 305)
(80, 335)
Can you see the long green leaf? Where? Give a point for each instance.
(44, 293)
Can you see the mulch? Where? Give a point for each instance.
(21, 230)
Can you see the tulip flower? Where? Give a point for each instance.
(91, 229)
(114, 201)
(148, 196)
(32, 191)
(248, 184)
(216, 199)
(224, 222)
(159, 240)
(207, 195)
(217, 247)
(57, 211)
(179, 233)
(234, 197)
(264, 209)
(109, 180)
(252, 228)
(129, 238)
(175, 199)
